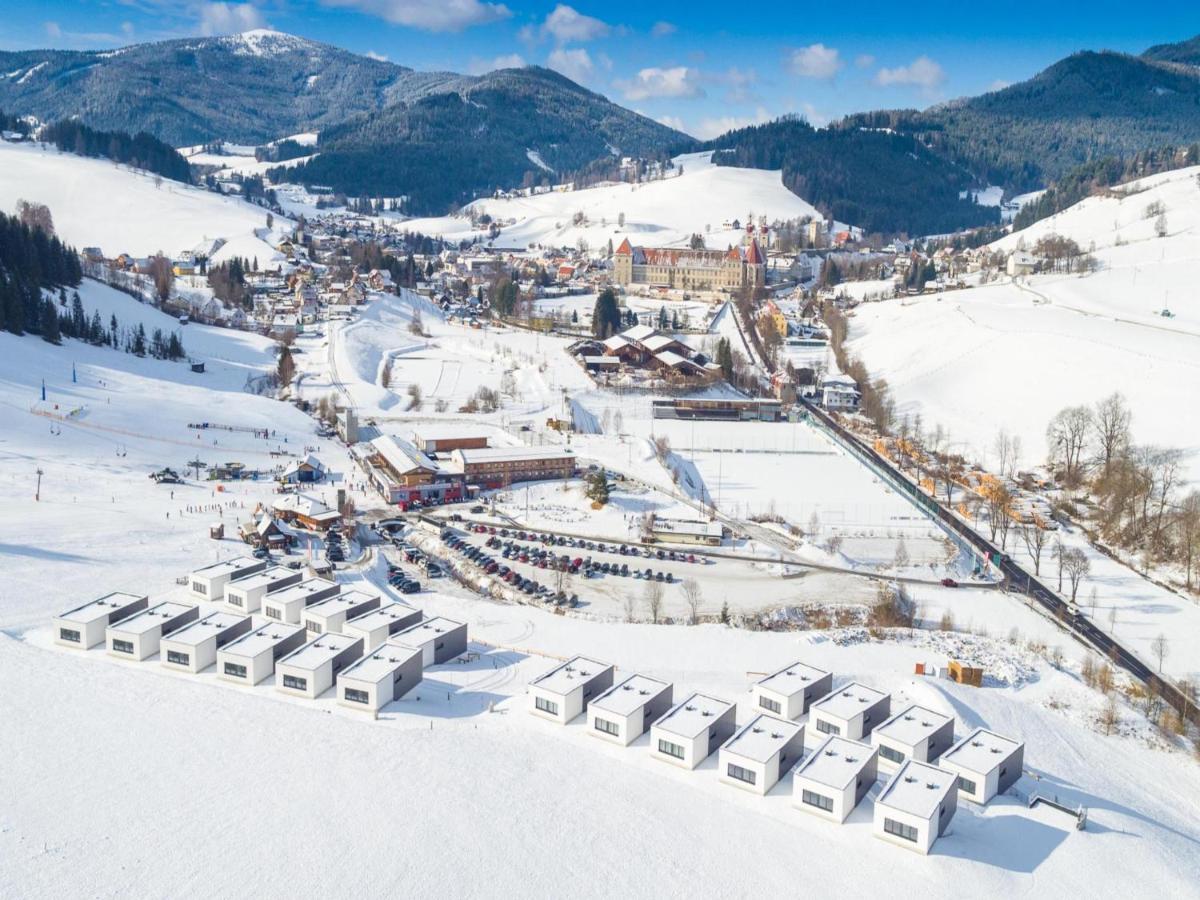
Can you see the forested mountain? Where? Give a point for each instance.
(247, 88)
(142, 151)
(1186, 52)
(445, 149)
(877, 180)
(1088, 106)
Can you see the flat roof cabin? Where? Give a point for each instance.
(985, 764)
(313, 669)
(565, 691)
(625, 711)
(381, 676)
(83, 627)
(850, 711)
(245, 595)
(790, 691)
(138, 636)
(835, 778)
(916, 806)
(193, 648)
(439, 640)
(913, 733)
(376, 626)
(329, 615)
(251, 659)
(209, 582)
(288, 605)
(760, 753)
(692, 729)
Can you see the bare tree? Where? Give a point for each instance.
(1187, 534)
(1059, 553)
(629, 607)
(1003, 447)
(692, 595)
(1110, 717)
(1161, 649)
(901, 559)
(1066, 436)
(1110, 428)
(163, 275)
(654, 599)
(1035, 538)
(35, 215)
(1077, 566)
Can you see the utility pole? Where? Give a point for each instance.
(37, 494)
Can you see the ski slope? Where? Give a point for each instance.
(657, 213)
(1010, 355)
(120, 210)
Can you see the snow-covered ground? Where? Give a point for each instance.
(1010, 355)
(121, 210)
(113, 768)
(657, 213)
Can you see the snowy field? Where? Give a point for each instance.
(98, 204)
(657, 214)
(1011, 355)
(105, 760)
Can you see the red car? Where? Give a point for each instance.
(949, 582)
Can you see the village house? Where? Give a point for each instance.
(83, 627)
(564, 692)
(625, 711)
(251, 658)
(193, 648)
(689, 733)
(916, 806)
(762, 752)
(729, 270)
(834, 778)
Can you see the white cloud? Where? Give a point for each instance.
(229, 18)
(566, 24)
(999, 84)
(508, 61)
(864, 60)
(575, 64)
(815, 61)
(922, 72)
(739, 82)
(672, 122)
(378, 57)
(715, 127)
(663, 29)
(676, 82)
(127, 29)
(54, 30)
(429, 15)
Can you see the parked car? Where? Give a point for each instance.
(949, 582)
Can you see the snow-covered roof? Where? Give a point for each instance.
(265, 637)
(981, 751)
(628, 695)
(638, 333)
(693, 716)
(912, 725)
(570, 675)
(151, 618)
(343, 602)
(380, 663)
(762, 737)
(402, 456)
(836, 762)
(849, 700)
(792, 679)
(205, 629)
(301, 504)
(265, 578)
(384, 615)
(426, 631)
(318, 651)
(511, 454)
(232, 567)
(917, 789)
(302, 590)
(100, 608)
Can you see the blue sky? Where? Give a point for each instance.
(700, 66)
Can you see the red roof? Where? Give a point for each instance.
(753, 254)
(625, 249)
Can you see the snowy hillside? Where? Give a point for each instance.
(1010, 355)
(96, 203)
(657, 213)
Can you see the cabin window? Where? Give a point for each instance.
(357, 696)
(68, 634)
(767, 703)
(827, 728)
(296, 684)
(818, 800)
(965, 784)
(900, 830)
(178, 659)
(670, 749)
(546, 706)
(735, 771)
(890, 753)
(122, 646)
(235, 670)
(607, 727)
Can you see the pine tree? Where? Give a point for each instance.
(606, 315)
(49, 324)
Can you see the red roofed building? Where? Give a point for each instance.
(685, 269)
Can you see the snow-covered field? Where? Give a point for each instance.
(1011, 355)
(657, 213)
(122, 779)
(120, 210)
